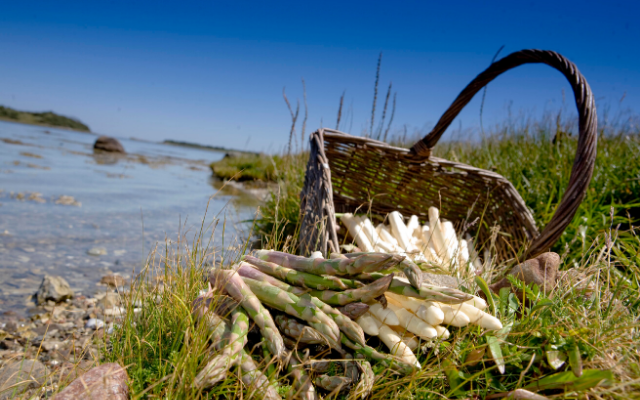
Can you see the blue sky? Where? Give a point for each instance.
(213, 72)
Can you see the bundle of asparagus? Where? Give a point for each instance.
(296, 302)
(435, 242)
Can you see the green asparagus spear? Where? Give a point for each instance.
(346, 267)
(299, 307)
(230, 340)
(386, 359)
(412, 272)
(257, 383)
(367, 378)
(302, 385)
(236, 288)
(300, 278)
(298, 331)
(364, 294)
(346, 325)
(431, 293)
(354, 310)
(333, 383)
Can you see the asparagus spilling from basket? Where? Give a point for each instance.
(295, 302)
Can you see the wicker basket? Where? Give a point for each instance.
(346, 173)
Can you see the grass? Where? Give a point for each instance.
(250, 167)
(47, 118)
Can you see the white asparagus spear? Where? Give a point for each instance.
(477, 302)
(316, 254)
(396, 347)
(413, 224)
(463, 256)
(437, 236)
(356, 231)
(430, 313)
(442, 332)
(385, 235)
(473, 254)
(479, 317)
(369, 324)
(385, 315)
(412, 323)
(450, 242)
(453, 316)
(372, 234)
(426, 311)
(407, 338)
(400, 232)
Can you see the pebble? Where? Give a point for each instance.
(97, 251)
(94, 323)
(113, 280)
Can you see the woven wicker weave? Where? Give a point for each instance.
(346, 173)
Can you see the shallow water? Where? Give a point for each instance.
(128, 205)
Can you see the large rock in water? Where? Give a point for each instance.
(106, 382)
(108, 144)
(53, 288)
(16, 377)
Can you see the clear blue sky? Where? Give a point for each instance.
(213, 72)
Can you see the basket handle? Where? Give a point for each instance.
(583, 164)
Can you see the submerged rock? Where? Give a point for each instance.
(97, 251)
(106, 382)
(53, 288)
(108, 144)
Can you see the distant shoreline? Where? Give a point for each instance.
(47, 119)
(206, 147)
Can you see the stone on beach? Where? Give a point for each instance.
(16, 377)
(53, 288)
(542, 271)
(113, 280)
(107, 381)
(108, 144)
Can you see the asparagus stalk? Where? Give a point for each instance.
(388, 360)
(384, 315)
(354, 310)
(299, 278)
(236, 288)
(368, 324)
(413, 324)
(367, 378)
(333, 383)
(256, 382)
(300, 332)
(356, 230)
(396, 346)
(217, 367)
(364, 294)
(346, 325)
(302, 384)
(412, 272)
(299, 307)
(365, 263)
(431, 293)
(424, 310)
